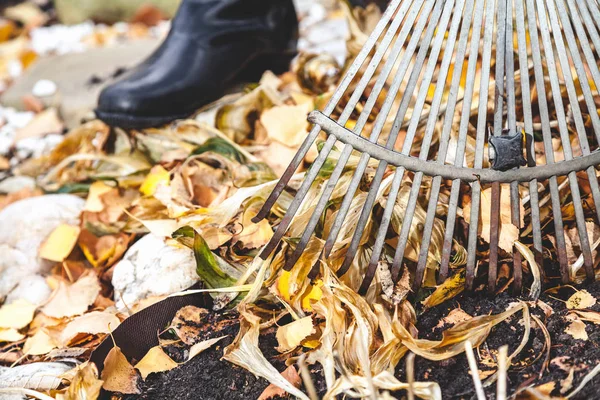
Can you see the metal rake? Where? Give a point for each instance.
(454, 47)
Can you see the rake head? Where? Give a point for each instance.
(482, 85)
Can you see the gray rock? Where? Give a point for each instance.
(152, 268)
(76, 95)
(24, 226)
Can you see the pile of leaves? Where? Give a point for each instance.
(196, 184)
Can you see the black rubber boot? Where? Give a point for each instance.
(212, 45)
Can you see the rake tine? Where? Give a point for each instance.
(347, 150)
(528, 122)
(361, 167)
(479, 145)
(547, 138)
(398, 174)
(462, 141)
(562, 123)
(592, 8)
(499, 76)
(397, 180)
(335, 98)
(586, 89)
(515, 198)
(331, 140)
(444, 139)
(372, 195)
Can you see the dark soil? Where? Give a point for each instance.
(208, 377)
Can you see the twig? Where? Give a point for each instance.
(585, 381)
(307, 379)
(474, 370)
(410, 375)
(502, 367)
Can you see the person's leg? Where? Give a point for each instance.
(212, 45)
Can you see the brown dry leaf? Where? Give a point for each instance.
(576, 328)
(286, 124)
(187, 323)
(580, 300)
(253, 235)
(118, 375)
(448, 289)
(84, 385)
(155, 360)
(59, 244)
(39, 344)
(454, 317)
(201, 346)
(43, 123)
(17, 314)
(291, 375)
(567, 383)
(70, 300)
(10, 335)
(291, 335)
(91, 323)
(588, 316)
(508, 232)
(94, 201)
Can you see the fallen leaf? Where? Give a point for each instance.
(84, 385)
(91, 323)
(155, 360)
(454, 317)
(43, 123)
(203, 345)
(71, 300)
(447, 290)
(118, 375)
(17, 314)
(291, 375)
(187, 323)
(10, 335)
(576, 328)
(291, 335)
(158, 175)
(59, 243)
(580, 300)
(567, 383)
(94, 201)
(588, 316)
(39, 344)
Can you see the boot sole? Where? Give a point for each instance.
(130, 121)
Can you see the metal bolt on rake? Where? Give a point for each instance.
(419, 45)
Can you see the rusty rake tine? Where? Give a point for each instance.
(479, 144)
(515, 199)
(498, 114)
(462, 141)
(586, 89)
(562, 123)
(372, 195)
(343, 86)
(347, 151)
(397, 179)
(528, 122)
(547, 138)
(429, 130)
(331, 140)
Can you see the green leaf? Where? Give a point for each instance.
(207, 266)
(220, 146)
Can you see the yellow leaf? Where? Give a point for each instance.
(70, 300)
(447, 290)
(156, 360)
(84, 385)
(291, 335)
(156, 176)
(94, 201)
(283, 285)
(39, 344)
(118, 375)
(314, 295)
(10, 335)
(17, 314)
(286, 124)
(60, 243)
(580, 300)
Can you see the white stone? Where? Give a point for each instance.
(150, 268)
(24, 225)
(33, 289)
(44, 88)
